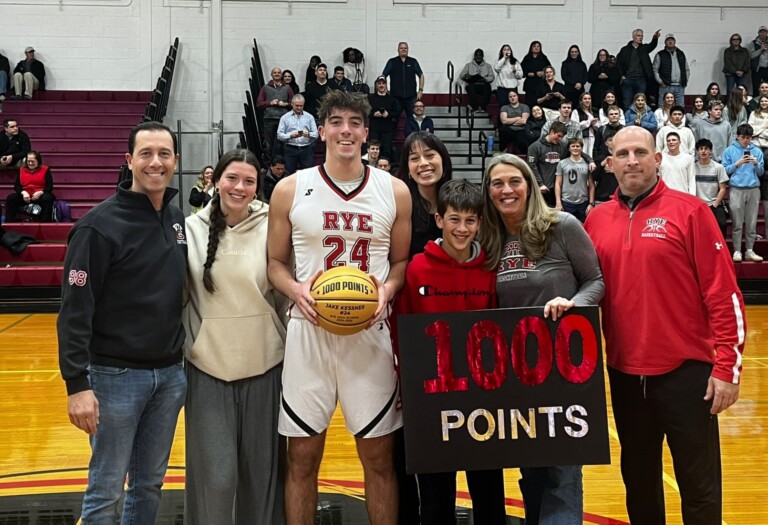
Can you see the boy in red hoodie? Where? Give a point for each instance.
(449, 277)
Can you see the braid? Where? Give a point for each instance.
(218, 225)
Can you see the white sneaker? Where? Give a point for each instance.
(750, 255)
(737, 256)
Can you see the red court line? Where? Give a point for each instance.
(588, 517)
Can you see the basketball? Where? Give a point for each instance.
(346, 299)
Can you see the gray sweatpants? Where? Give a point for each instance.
(744, 203)
(235, 457)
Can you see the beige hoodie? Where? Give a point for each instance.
(235, 332)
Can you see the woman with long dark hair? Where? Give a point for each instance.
(735, 110)
(602, 76)
(588, 119)
(712, 93)
(533, 68)
(609, 99)
(520, 233)
(234, 354)
(289, 79)
(699, 110)
(573, 71)
(314, 61)
(425, 165)
(509, 73)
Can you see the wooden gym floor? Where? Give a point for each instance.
(43, 458)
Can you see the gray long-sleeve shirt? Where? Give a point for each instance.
(569, 269)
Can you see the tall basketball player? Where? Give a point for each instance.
(339, 213)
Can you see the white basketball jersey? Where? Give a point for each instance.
(330, 228)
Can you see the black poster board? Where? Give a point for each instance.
(502, 388)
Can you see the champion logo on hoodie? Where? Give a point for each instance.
(433, 291)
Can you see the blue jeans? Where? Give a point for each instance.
(630, 86)
(577, 210)
(3, 81)
(138, 410)
(678, 91)
(552, 495)
(731, 81)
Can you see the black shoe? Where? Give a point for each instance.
(27, 97)
(14, 97)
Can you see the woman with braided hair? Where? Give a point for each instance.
(234, 353)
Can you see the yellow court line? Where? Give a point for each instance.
(29, 371)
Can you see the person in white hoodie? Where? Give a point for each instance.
(234, 354)
(676, 168)
(509, 74)
(677, 124)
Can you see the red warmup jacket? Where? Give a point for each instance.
(435, 283)
(670, 287)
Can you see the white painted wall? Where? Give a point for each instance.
(121, 44)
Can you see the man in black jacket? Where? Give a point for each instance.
(14, 145)
(634, 63)
(120, 331)
(671, 69)
(28, 76)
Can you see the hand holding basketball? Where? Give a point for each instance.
(303, 299)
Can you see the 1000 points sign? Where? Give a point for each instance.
(502, 388)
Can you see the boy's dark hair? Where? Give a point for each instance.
(704, 143)
(354, 102)
(745, 130)
(8, 121)
(672, 134)
(564, 102)
(277, 159)
(337, 69)
(576, 140)
(681, 109)
(610, 132)
(558, 127)
(384, 157)
(149, 126)
(461, 195)
(374, 142)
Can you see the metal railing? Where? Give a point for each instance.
(482, 146)
(470, 120)
(218, 129)
(458, 90)
(449, 72)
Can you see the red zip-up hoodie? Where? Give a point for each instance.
(670, 286)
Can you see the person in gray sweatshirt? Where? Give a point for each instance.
(544, 156)
(545, 258)
(714, 128)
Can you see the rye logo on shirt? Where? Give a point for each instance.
(655, 227)
(180, 239)
(77, 278)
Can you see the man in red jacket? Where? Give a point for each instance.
(673, 319)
